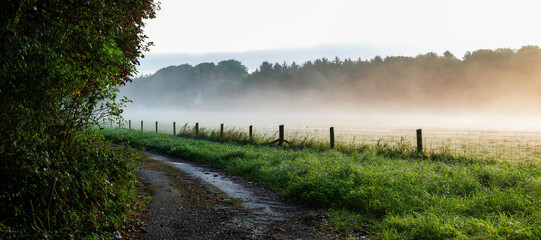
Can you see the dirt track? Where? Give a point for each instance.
(188, 205)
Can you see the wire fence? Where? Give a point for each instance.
(505, 145)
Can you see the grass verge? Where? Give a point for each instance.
(398, 196)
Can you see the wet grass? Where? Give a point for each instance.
(503, 145)
(240, 136)
(386, 189)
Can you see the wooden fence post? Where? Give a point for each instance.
(141, 125)
(251, 132)
(332, 137)
(281, 139)
(196, 129)
(156, 126)
(222, 130)
(281, 135)
(419, 141)
(174, 128)
(129, 124)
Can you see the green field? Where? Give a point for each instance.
(388, 189)
(505, 145)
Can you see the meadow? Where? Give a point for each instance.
(385, 189)
(502, 144)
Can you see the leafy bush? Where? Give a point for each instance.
(82, 192)
(62, 63)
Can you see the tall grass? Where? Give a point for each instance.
(400, 147)
(299, 141)
(505, 145)
(403, 194)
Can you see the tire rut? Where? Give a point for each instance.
(190, 201)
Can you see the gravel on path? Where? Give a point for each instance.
(186, 206)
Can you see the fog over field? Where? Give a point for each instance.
(484, 89)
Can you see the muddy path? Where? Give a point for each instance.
(190, 201)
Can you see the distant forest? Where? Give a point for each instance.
(496, 81)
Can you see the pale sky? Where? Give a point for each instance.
(206, 26)
(403, 27)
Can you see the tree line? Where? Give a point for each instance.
(488, 80)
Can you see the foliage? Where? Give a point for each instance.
(180, 85)
(85, 192)
(485, 80)
(60, 63)
(59, 59)
(405, 197)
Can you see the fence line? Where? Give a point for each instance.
(485, 143)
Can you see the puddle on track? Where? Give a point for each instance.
(264, 208)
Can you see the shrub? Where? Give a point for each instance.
(85, 191)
